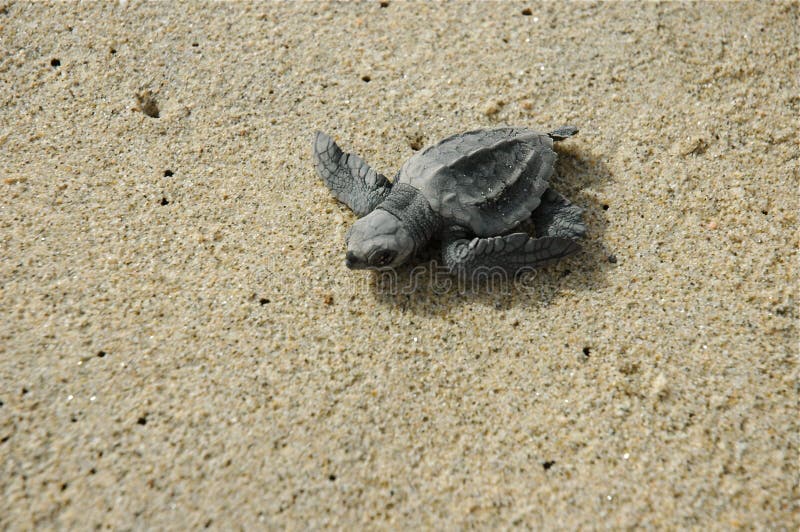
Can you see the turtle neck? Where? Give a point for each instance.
(409, 206)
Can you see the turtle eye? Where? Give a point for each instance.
(382, 258)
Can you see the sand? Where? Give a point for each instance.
(182, 346)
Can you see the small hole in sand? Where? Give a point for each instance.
(587, 351)
(101, 354)
(263, 301)
(164, 201)
(168, 173)
(547, 465)
(527, 12)
(55, 63)
(605, 207)
(142, 420)
(148, 104)
(366, 79)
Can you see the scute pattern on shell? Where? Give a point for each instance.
(486, 180)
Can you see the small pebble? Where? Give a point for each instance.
(492, 108)
(659, 387)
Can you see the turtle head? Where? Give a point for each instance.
(378, 241)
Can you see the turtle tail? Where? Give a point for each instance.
(562, 133)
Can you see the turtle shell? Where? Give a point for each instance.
(486, 180)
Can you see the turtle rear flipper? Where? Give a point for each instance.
(557, 217)
(349, 178)
(512, 253)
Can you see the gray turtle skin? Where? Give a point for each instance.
(467, 192)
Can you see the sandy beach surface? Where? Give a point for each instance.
(182, 346)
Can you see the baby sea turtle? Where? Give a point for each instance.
(467, 192)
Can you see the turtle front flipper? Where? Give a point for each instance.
(556, 216)
(511, 253)
(350, 179)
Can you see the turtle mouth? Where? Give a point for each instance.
(354, 263)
